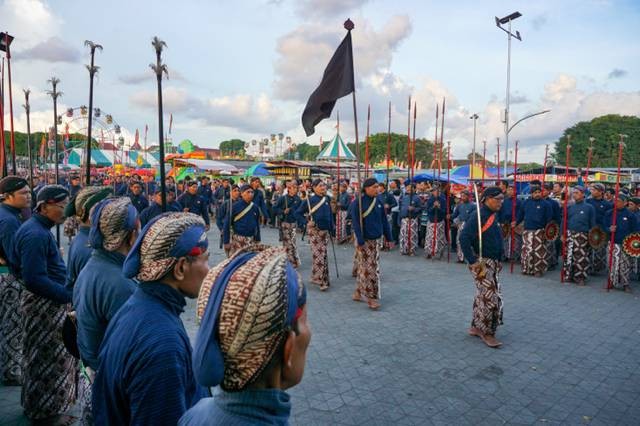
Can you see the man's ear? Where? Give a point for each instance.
(289, 349)
(179, 269)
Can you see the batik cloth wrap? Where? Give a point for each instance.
(620, 273)
(408, 235)
(435, 243)
(49, 387)
(552, 258)
(246, 307)
(112, 220)
(71, 226)
(85, 380)
(318, 240)
(79, 208)
(341, 226)
(10, 330)
(386, 244)
(598, 260)
(289, 242)
(368, 271)
(517, 245)
(534, 252)
(238, 242)
(459, 253)
(487, 304)
(576, 263)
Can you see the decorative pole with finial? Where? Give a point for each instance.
(566, 203)
(159, 68)
(55, 94)
(92, 72)
(27, 109)
(614, 212)
(6, 43)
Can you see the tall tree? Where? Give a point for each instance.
(232, 147)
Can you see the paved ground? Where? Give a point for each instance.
(570, 356)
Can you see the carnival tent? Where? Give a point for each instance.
(336, 149)
(107, 158)
(258, 169)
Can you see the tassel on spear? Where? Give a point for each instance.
(589, 154)
(448, 195)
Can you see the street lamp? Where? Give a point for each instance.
(474, 117)
(499, 22)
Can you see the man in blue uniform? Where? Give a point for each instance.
(223, 211)
(484, 263)
(191, 202)
(258, 197)
(49, 384)
(343, 200)
(204, 191)
(410, 211)
(626, 223)
(320, 228)
(15, 196)
(508, 221)
(435, 243)
(535, 213)
(556, 216)
(581, 218)
(374, 225)
(388, 202)
(602, 206)
(155, 208)
(286, 208)
(461, 214)
(138, 199)
(242, 227)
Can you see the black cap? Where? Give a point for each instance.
(11, 184)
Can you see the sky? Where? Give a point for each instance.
(245, 68)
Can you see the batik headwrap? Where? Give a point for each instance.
(85, 199)
(111, 222)
(164, 240)
(246, 306)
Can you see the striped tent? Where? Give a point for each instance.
(334, 148)
(106, 158)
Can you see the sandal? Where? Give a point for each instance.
(373, 304)
(357, 297)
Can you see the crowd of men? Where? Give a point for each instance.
(104, 328)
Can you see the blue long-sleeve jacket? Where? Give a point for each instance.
(246, 226)
(223, 210)
(140, 202)
(556, 211)
(506, 210)
(222, 194)
(79, 254)
(436, 214)
(206, 193)
(144, 372)
(491, 238)
(375, 224)
(100, 291)
(121, 189)
(9, 225)
(463, 211)
(344, 200)
(410, 201)
(322, 217)
(258, 200)
(536, 214)
(581, 217)
(196, 205)
(288, 202)
(388, 199)
(155, 209)
(37, 260)
(602, 207)
(626, 223)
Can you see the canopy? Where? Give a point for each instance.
(107, 158)
(207, 165)
(336, 149)
(258, 169)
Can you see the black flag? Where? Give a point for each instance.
(337, 81)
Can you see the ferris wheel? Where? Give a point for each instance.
(104, 129)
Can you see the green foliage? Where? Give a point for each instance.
(232, 147)
(306, 152)
(606, 131)
(398, 149)
(77, 141)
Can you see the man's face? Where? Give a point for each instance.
(320, 189)
(75, 181)
(536, 195)
(247, 195)
(556, 188)
(393, 185)
(502, 187)
(578, 196)
(225, 183)
(596, 193)
(544, 192)
(510, 191)
(608, 196)
(157, 198)
(193, 271)
(464, 197)
(255, 184)
(193, 189)
(371, 191)
(494, 203)
(136, 189)
(55, 211)
(235, 193)
(20, 199)
(292, 189)
(171, 196)
(293, 368)
(632, 206)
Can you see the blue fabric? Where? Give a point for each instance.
(246, 408)
(436, 214)
(222, 194)
(463, 211)
(100, 291)
(536, 214)
(602, 207)
(247, 226)
(121, 189)
(258, 200)
(375, 224)
(410, 200)
(36, 260)
(581, 217)
(387, 198)
(506, 210)
(155, 209)
(206, 193)
(344, 201)
(491, 239)
(140, 202)
(556, 210)
(222, 213)
(144, 368)
(9, 224)
(323, 217)
(292, 203)
(78, 256)
(626, 223)
(196, 205)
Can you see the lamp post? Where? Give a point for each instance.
(159, 68)
(499, 22)
(92, 71)
(474, 117)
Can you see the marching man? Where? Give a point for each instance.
(241, 227)
(626, 223)
(581, 217)
(286, 207)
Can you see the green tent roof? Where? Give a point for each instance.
(336, 148)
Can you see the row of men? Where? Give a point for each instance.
(136, 364)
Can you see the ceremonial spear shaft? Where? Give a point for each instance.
(566, 201)
(614, 213)
(514, 201)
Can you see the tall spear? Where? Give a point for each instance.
(413, 150)
(498, 157)
(366, 149)
(92, 71)
(514, 201)
(409, 140)
(55, 95)
(435, 140)
(441, 139)
(388, 144)
(589, 154)
(3, 151)
(159, 68)
(27, 109)
(615, 212)
(338, 171)
(566, 201)
(7, 39)
(448, 195)
(484, 164)
(544, 165)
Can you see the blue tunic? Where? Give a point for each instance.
(292, 203)
(536, 214)
(258, 200)
(375, 224)
(222, 212)
(144, 367)
(9, 224)
(388, 199)
(196, 205)
(463, 211)
(602, 207)
(556, 211)
(505, 210)
(79, 254)
(581, 217)
(245, 408)
(436, 214)
(246, 226)
(206, 193)
(140, 202)
(322, 217)
(155, 209)
(344, 200)
(626, 223)
(491, 238)
(37, 261)
(100, 291)
(410, 201)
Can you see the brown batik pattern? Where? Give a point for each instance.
(239, 242)
(552, 259)
(576, 263)
(408, 235)
(320, 263)
(435, 242)
(598, 260)
(71, 226)
(368, 273)
(517, 245)
(10, 330)
(534, 252)
(459, 253)
(620, 273)
(289, 243)
(487, 304)
(341, 226)
(49, 384)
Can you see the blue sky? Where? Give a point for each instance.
(244, 68)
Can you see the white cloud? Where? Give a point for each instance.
(173, 99)
(33, 15)
(322, 9)
(53, 49)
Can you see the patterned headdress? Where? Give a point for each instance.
(111, 221)
(246, 305)
(86, 198)
(164, 240)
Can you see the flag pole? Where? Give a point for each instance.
(159, 68)
(566, 201)
(366, 149)
(435, 140)
(409, 140)
(92, 72)
(338, 172)
(389, 145)
(27, 109)
(3, 152)
(513, 205)
(413, 150)
(441, 139)
(484, 163)
(615, 212)
(544, 165)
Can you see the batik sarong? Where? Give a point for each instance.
(487, 304)
(368, 271)
(575, 266)
(552, 258)
(435, 242)
(49, 375)
(341, 227)
(459, 253)
(10, 330)
(289, 242)
(408, 235)
(239, 242)
(354, 269)
(385, 244)
(71, 226)
(534, 252)
(620, 272)
(320, 262)
(517, 246)
(598, 260)
(85, 379)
